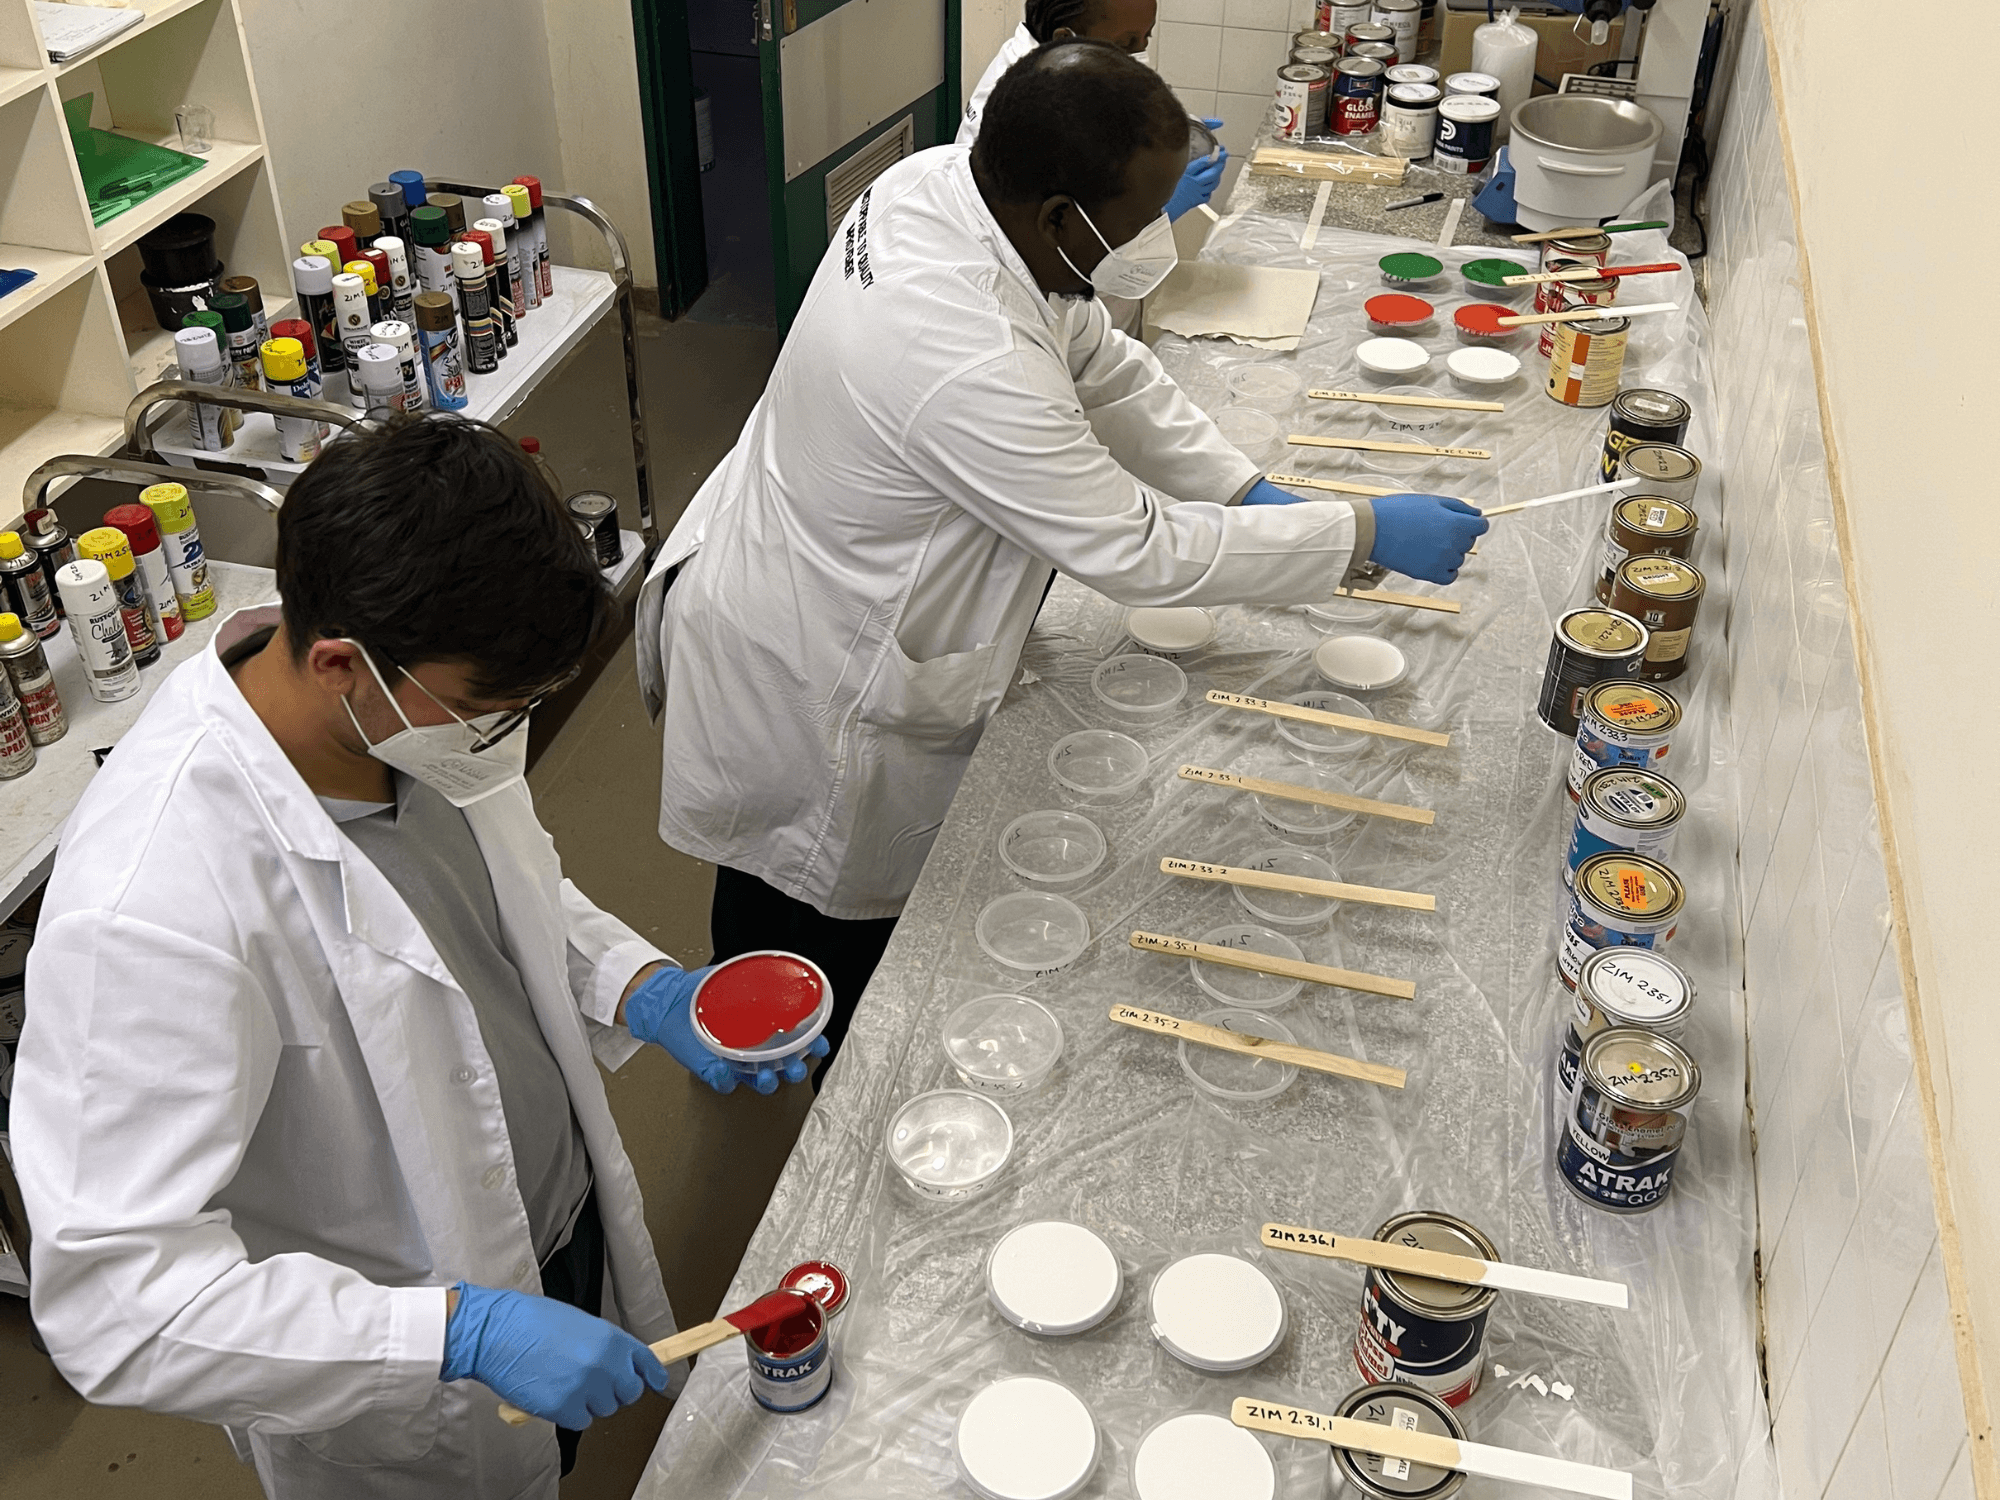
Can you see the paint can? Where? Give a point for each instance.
(253, 297)
(496, 311)
(393, 208)
(381, 370)
(1370, 1476)
(506, 244)
(1381, 52)
(1587, 360)
(285, 373)
(1421, 1332)
(1299, 107)
(312, 276)
(538, 229)
(1404, 18)
(1410, 119)
(1366, 33)
(27, 668)
(401, 284)
(1355, 103)
(1341, 16)
(469, 267)
(1314, 57)
(17, 748)
(1623, 1131)
(1620, 808)
(24, 588)
(1466, 123)
(199, 355)
(381, 295)
(433, 241)
(1411, 72)
(47, 538)
(1618, 900)
(1663, 594)
(1622, 724)
(1483, 84)
(596, 516)
(180, 539)
(1590, 646)
(1622, 987)
(98, 628)
(529, 283)
(1642, 415)
(143, 533)
(1593, 248)
(444, 360)
(791, 1363)
(108, 546)
(401, 337)
(1563, 296)
(299, 330)
(239, 341)
(1316, 40)
(351, 320)
(1664, 468)
(1644, 525)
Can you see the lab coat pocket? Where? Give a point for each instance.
(940, 699)
(377, 1438)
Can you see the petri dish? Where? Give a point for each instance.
(1361, 664)
(1392, 356)
(1410, 268)
(950, 1143)
(1482, 369)
(1393, 463)
(1486, 279)
(1026, 1438)
(1399, 315)
(1478, 325)
(1002, 1044)
(1171, 631)
(1304, 819)
(1099, 764)
(1339, 612)
(1052, 847)
(1269, 388)
(759, 1009)
(1139, 685)
(1323, 742)
(1243, 987)
(1217, 1312)
(1252, 431)
(1410, 420)
(1032, 931)
(1053, 1278)
(1201, 1456)
(1230, 1075)
(1288, 911)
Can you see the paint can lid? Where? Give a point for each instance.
(1053, 1278)
(1641, 1069)
(1631, 886)
(519, 199)
(362, 217)
(1199, 1455)
(498, 204)
(412, 184)
(388, 200)
(1601, 632)
(428, 226)
(534, 187)
(235, 310)
(168, 502)
(820, 1280)
(284, 359)
(11, 546)
(1637, 987)
(466, 261)
(434, 314)
(245, 287)
(107, 545)
(140, 529)
(1217, 1312)
(1469, 108)
(1026, 1438)
(495, 231)
(312, 276)
(1374, 1476)
(1423, 1229)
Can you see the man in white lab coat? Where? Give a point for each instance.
(307, 1111)
(951, 417)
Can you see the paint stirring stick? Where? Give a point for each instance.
(1538, 236)
(1583, 315)
(1247, 1045)
(1589, 489)
(1432, 1449)
(1292, 791)
(1302, 885)
(1440, 1266)
(1283, 968)
(1590, 273)
(1281, 710)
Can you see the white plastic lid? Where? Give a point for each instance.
(1053, 1277)
(1361, 663)
(1026, 1438)
(1201, 1456)
(1392, 356)
(499, 232)
(1217, 1312)
(1186, 628)
(1477, 366)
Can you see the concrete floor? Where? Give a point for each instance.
(706, 1163)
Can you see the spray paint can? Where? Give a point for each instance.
(180, 539)
(453, 208)
(402, 338)
(392, 207)
(285, 371)
(46, 538)
(313, 276)
(232, 419)
(444, 360)
(98, 629)
(240, 340)
(350, 306)
(23, 587)
(108, 545)
(17, 746)
(345, 245)
(528, 283)
(301, 331)
(381, 376)
(143, 533)
(433, 242)
(26, 666)
(381, 296)
(538, 227)
(363, 220)
(503, 276)
(246, 287)
(469, 267)
(500, 209)
(411, 182)
(201, 362)
(400, 288)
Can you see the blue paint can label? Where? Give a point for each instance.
(1420, 1332)
(1618, 900)
(1635, 812)
(1622, 1134)
(794, 1380)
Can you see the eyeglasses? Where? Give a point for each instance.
(491, 729)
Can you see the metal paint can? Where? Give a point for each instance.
(1420, 1332)
(1316, 57)
(1638, 812)
(90, 602)
(1327, 40)
(1641, 415)
(1622, 987)
(596, 516)
(24, 588)
(1590, 646)
(1404, 18)
(1618, 900)
(1587, 360)
(1466, 123)
(1341, 16)
(791, 1363)
(1300, 107)
(1411, 72)
(1623, 1131)
(1410, 119)
(26, 666)
(1484, 84)
(1664, 594)
(1367, 33)
(1356, 99)
(1562, 296)
(1593, 248)
(1370, 1476)
(1664, 468)
(1382, 52)
(1644, 525)
(1628, 724)
(17, 747)
(1545, 290)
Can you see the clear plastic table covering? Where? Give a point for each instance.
(1119, 1139)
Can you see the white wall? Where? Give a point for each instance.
(1223, 56)
(594, 78)
(983, 26)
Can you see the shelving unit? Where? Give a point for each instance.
(80, 340)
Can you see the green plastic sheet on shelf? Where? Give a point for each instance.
(118, 172)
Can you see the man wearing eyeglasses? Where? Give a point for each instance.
(307, 1110)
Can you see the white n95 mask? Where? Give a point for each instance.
(1136, 267)
(1143, 57)
(441, 756)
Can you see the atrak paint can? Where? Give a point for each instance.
(1622, 724)
(791, 1363)
(1416, 1331)
(1590, 646)
(1622, 987)
(1618, 900)
(1627, 1120)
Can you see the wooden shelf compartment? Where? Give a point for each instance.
(44, 227)
(63, 383)
(21, 54)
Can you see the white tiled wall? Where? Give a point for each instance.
(1863, 1381)
(1223, 56)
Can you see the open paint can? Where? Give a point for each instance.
(762, 1009)
(791, 1363)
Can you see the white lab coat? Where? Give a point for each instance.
(863, 567)
(257, 1130)
(1016, 47)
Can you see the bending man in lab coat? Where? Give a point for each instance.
(951, 416)
(307, 1110)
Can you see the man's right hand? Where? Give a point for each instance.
(1424, 536)
(552, 1360)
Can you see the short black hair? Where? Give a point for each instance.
(1068, 118)
(436, 539)
(1044, 18)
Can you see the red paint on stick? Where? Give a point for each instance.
(749, 1000)
(792, 1323)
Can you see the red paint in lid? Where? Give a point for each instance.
(749, 1000)
(1398, 308)
(820, 1280)
(137, 522)
(1484, 318)
(795, 1334)
(534, 187)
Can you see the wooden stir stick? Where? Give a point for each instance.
(1408, 601)
(1536, 237)
(1291, 791)
(1441, 403)
(1383, 445)
(1256, 1046)
(1301, 885)
(1281, 710)
(1589, 273)
(1270, 963)
(1338, 486)
(1584, 314)
(1439, 1265)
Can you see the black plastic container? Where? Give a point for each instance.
(172, 304)
(180, 252)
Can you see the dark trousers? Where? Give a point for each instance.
(748, 915)
(575, 1274)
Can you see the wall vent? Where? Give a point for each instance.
(850, 179)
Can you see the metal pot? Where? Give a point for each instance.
(1579, 158)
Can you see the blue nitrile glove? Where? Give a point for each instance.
(1263, 492)
(1199, 182)
(661, 1011)
(552, 1360)
(1424, 536)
